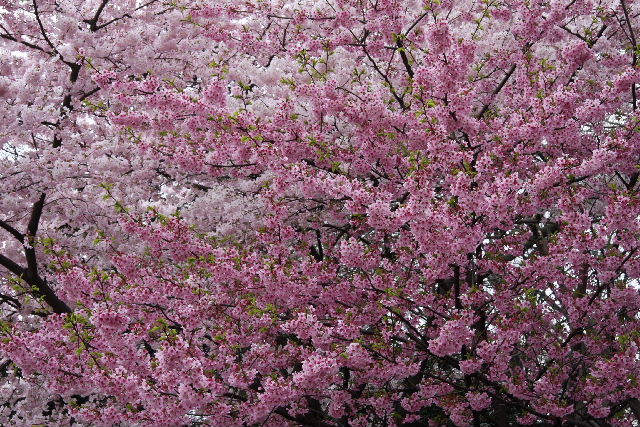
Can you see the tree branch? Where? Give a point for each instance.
(126, 15)
(42, 30)
(497, 90)
(405, 59)
(634, 60)
(11, 266)
(39, 286)
(15, 233)
(10, 37)
(93, 22)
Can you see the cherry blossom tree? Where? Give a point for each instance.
(333, 214)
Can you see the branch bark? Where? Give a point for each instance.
(634, 58)
(29, 274)
(497, 90)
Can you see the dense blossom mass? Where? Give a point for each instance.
(337, 213)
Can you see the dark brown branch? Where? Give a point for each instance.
(11, 266)
(575, 34)
(405, 59)
(31, 273)
(32, 229)
(456, 286)
(36, 213)
(42, 289)
(619, 270)
(15, 233)
(633, 179)
(497, 90)
(42, 30)
(11, 301)
(93, 22)
(379, 71)
(8, 36)
(634, 60)
(589, 42)
(88, 94)
(39, 286)
(420, 18)
(126, 15)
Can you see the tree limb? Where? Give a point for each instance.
(497, 90)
